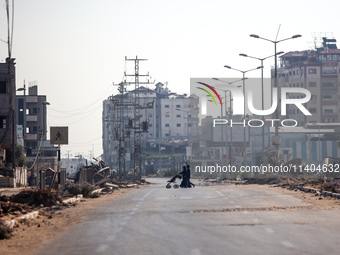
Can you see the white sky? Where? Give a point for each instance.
(75, 49)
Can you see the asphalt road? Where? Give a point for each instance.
(156, 220)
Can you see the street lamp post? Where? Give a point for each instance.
(230, 116)
(159, 141)
(45, 103)
(275, 81)
(244, 113)
(222, 137)
(262, 59)
(320, 152)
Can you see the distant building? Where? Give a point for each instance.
(168, 123)
(31, 115)
(318, 71)
(72, 165)
(7, 104)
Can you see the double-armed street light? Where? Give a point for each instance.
(277, 144)
(244, 113)
(262, 59)
(230, 115)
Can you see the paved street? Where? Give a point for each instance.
(156, 220)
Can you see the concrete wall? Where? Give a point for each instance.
(15, 178)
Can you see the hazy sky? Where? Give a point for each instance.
(75, 49)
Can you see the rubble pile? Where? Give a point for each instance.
(13, 208)
(35, 198)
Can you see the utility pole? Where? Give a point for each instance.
(119, 126)
(135, 123)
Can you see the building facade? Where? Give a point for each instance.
(31, 115)
(7, 104)
(318, 71)
(167, 123)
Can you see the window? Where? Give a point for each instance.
(329, 71)
(178, 106)
(166, 106)
(167, 116)
(3, 124)
(313, 97)
(167, 125)
(312, 110)
(312, 84)
(327, 97)
(178, 115)
(150, 125)
(328, 84)
(167, 135)
(312, 71)
(178, 125)
(328, 110)
(3, 87)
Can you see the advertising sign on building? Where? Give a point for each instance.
(20, 135)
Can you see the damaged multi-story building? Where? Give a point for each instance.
(167, 126)
(7, 107)
(317, 70)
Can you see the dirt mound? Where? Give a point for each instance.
(36, 198)
(13, 208)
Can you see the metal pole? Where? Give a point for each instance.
(222, 158)
(159, 143)
(244, 119)
(278, 100)
(320, 152)
(262, 105)
(226, 132)
(58, 168)
(231, 130)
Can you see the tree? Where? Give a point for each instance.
(20, 157)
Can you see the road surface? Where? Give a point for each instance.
(202, 220)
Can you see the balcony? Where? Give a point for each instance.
(32, 99)
(31, 136)
(329, 102)
(33, 118)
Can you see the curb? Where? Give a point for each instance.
(321, 193)
(31, 215)
(73, 199)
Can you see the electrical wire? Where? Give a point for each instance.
(36, 157)
(12, 25)
(89, 141)
(81, 118)
(85, 107)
